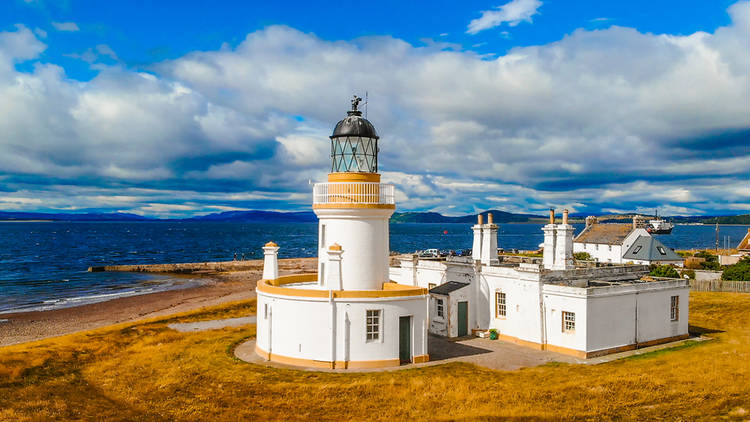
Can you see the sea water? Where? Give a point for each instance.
(43, 265)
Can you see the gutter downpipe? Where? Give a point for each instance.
(333, 328)
(636, 319)
(543, 311)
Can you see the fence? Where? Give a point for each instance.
(353, 193)
(720, 286)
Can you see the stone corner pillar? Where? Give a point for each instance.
(270, 261)
(548, 255)
(489, 244)
(564, 247)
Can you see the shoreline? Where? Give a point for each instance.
(219, 287)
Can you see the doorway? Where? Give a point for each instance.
(463, 319)
(404, 339)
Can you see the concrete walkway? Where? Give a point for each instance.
(189, 327)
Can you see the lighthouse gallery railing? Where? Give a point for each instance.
(353, 193)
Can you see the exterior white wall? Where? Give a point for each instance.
(601, 252)
(521, 290)
(323, 330)
(559, 299)
(363, 236)
(653, 313)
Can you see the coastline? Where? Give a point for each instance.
(219, 287)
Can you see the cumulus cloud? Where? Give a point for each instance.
(602, 119)
(512, 13)
(66, 26)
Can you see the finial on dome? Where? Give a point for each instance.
(355, 102)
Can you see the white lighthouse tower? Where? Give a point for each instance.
(349, 314)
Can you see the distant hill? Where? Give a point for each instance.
(116, 216)
(259, 217)
(433, 217)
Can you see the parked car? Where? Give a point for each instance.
(429, 253)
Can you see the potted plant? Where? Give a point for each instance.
(493, 334)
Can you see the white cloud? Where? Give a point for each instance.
(66, 26)
(610, 118)
(512, 13)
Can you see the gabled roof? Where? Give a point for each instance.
(607, 234)
(446, 288)
(745, 243)
(648, 248)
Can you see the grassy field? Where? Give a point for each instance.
(145, 371)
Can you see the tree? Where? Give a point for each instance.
(582, 256)
(737, 272)
(666, 271)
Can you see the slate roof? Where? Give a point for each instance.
(607, 234)
(446, 288)
(648, 248)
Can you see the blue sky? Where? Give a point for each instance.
(180, 108)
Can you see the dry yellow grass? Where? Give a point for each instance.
(145, 371)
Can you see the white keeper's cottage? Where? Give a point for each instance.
(585, 310)
(349, 314)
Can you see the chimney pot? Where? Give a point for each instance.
(489, 218)
(551, 216)
(479, 219)
(565, 216)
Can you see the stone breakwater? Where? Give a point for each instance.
(184, 268)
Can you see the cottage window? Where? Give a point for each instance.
(661, 250)
(674, 308)
(373, 325)
(439, 306)
(569, 322)
(610, 247)
(596, 246)
(500, 307)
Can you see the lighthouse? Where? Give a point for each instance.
(349, 314)
(353, 208)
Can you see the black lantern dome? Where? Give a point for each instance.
(354, 143)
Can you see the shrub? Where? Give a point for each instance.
(689, 273)
(711, 265)
(582, 256)
(737, 272)
(667, 271)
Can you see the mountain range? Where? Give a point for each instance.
(255, 216)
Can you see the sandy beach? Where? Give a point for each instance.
(219, 287)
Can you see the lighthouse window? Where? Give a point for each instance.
(354, 153)
(373, 325)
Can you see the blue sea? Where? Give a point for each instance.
(44, 265)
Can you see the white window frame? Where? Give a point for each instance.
(440, 307)
(674, 308)
(501, 305)
(373, 327)
(568, 322)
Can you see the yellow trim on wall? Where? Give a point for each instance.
(421, 358)
(587, 355)
(323, 364)
(390, 289)
(354, 177)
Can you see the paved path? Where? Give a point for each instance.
(188, 327)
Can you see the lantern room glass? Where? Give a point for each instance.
(354, 154)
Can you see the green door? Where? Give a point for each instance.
(463, 319)
(404, 339)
